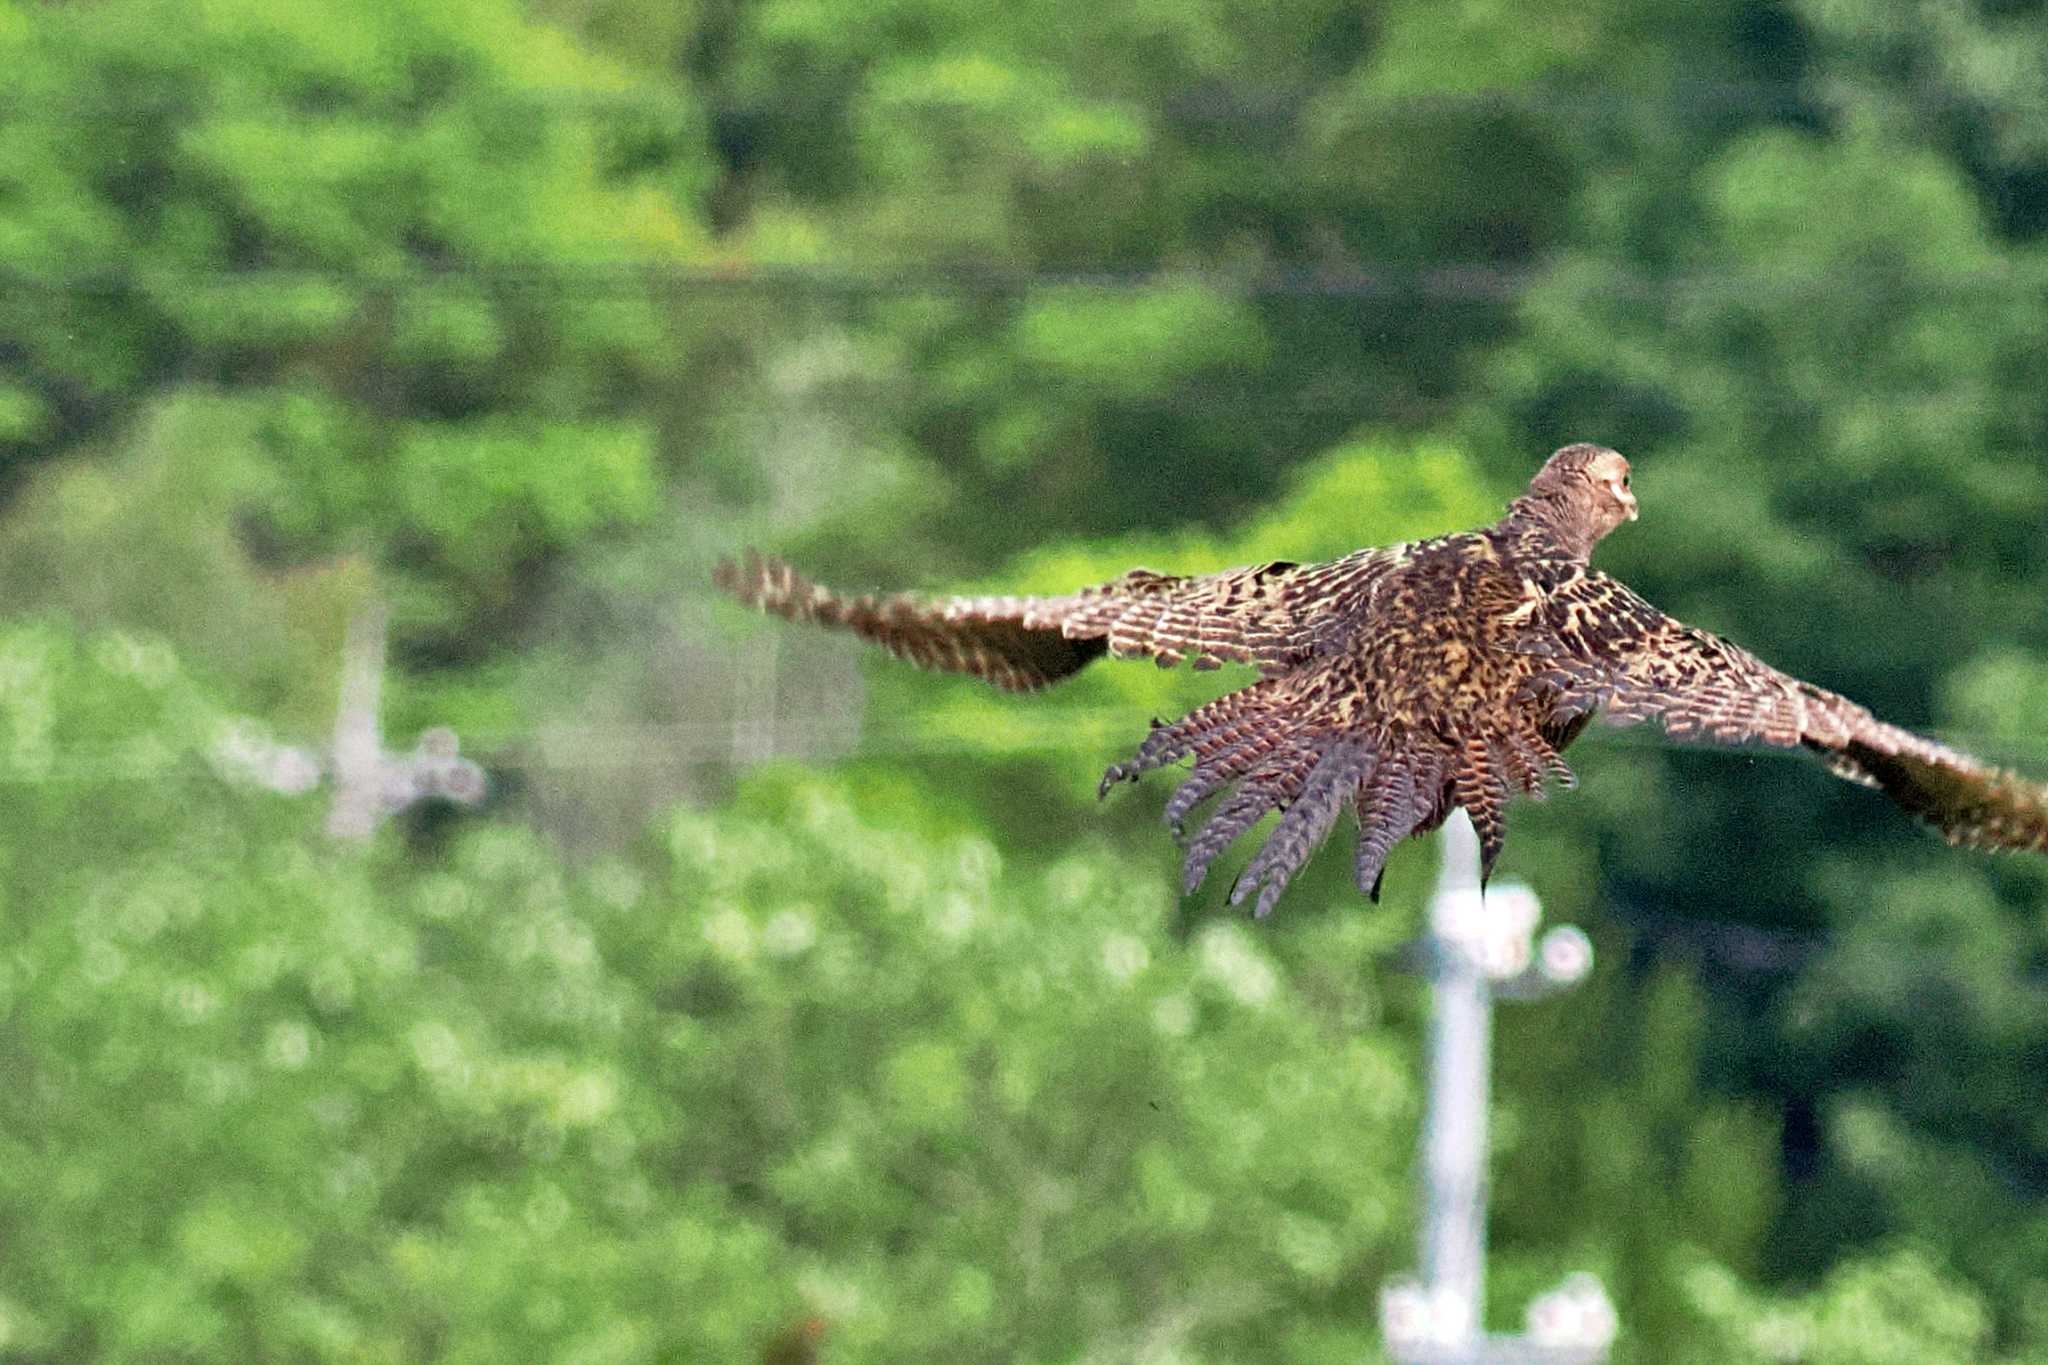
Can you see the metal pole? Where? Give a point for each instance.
(1453, 1240)
(358, 741)
(1479, 947)
(369, 783)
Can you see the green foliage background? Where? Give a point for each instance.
(773, 984)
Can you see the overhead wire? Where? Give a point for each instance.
(1470, 281)
(1243, 102)
(1732, 946)
(741, 742)
(735, 741)
(713, 742)
(1382, 282)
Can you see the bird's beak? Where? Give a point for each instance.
(1628, 502)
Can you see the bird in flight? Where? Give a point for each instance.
(1410, 680)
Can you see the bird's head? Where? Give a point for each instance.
(1588, 484)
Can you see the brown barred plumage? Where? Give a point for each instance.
(1411, 680)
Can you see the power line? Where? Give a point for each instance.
(245, 754)
(648, 278)
(1046, 730)
(1384, 285)
(1212, 101)
(729, 743)
(1474, 281)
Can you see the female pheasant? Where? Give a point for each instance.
(1411, 680)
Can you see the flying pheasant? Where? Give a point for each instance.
(1410, 680)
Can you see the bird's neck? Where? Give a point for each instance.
(1547, 529)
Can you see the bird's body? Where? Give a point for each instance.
(1411, 680)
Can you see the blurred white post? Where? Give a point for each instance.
(358, 739)
(1480, 946)
(370, 784)
(1453, 1244)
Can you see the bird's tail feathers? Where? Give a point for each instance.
(1255, 756)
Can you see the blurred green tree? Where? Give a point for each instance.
(275, 1098)
(523, 312)
(1838, 424)
(434, 296)
(1895, 1308)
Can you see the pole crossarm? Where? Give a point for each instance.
(370, 782)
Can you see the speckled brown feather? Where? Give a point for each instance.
(1273, 615)
(1613, 651)
(1409, 681)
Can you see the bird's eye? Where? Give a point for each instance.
(1624, 481)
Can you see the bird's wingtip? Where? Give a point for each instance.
(747, 575)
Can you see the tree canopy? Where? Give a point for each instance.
(771, 985)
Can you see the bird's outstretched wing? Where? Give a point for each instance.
(1608, 649)
(1273, 615)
